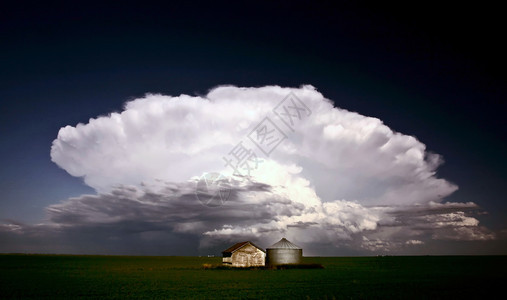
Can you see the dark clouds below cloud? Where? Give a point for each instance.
(167, 219)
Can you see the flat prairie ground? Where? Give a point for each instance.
(163, 277)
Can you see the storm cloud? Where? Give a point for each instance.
(338, 178)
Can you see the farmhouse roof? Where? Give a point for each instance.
(238, 246)
(283, 244)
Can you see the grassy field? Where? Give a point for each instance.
(108, 277)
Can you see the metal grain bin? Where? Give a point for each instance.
(283, 252)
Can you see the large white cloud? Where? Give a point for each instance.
(338, 176)
(345, 154)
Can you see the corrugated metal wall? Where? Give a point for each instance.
(283, 256)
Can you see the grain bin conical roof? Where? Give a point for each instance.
(283, 244)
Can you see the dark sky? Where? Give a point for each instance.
(427, 69)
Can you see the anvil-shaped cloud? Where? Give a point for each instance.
(338, 177)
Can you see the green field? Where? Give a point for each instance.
(123, 277)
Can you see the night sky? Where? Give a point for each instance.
(427, 70)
